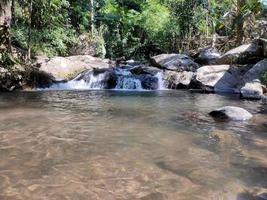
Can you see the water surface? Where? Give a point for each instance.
(59, 145)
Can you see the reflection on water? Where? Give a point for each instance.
(126, 145)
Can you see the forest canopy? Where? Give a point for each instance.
(131, 28)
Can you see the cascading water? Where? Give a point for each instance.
(161, 82)
(122, 79)
(126, 81)
(95, 82)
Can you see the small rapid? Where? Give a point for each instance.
(113, 79)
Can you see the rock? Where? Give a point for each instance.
(252, 87)
(11, 80)
(208, 56)
(221, 78)
(244, 54)
(178, 80)
(40, 79)
(256, 71)
(231, 113)
(149, 82)
(66, 68)
(142, 69)
(174, 62)
(264, 43)
(264, 100)
(252, 90)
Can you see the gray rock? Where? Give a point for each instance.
(178, 80)
(231, 113)
(142, 69)
(208, 56)
(174, 62)
(244, 54)
(222, 78)
(264, 43)
(256, 71)
(149, 82)
(252, 90)
(66, 68)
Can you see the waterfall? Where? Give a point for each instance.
(161, 82)
(96, 82)
(117, 79)
(126, 81)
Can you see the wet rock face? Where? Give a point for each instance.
(175, 62)
(231, 113)
(244, 54)
(149, 82)
(208, 56)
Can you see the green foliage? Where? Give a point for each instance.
(264, 78)
(132, 28)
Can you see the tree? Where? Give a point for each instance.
(5, 21)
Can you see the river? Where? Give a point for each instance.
(155, 145)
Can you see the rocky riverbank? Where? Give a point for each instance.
(239, 70)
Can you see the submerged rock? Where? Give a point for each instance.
(252, 90)
(231, 113)
(66, 68)
(244, 54)
(221, 78)
(208, 56)
(175, 62)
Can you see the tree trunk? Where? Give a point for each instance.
(5, 21)
(13, 8)
(29, 31)
(240, 22)
(92, 12)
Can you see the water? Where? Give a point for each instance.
(59, 145)
(125, 81)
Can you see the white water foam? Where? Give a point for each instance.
(125, 81)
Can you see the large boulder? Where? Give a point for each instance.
(65, 68)
(252, 87)
(142, 69)
(220, 78)
(178, 80)
(244, 54)
(208, 56)
(252, 90)
(256, 71)
(231, 113)
(174, 62)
